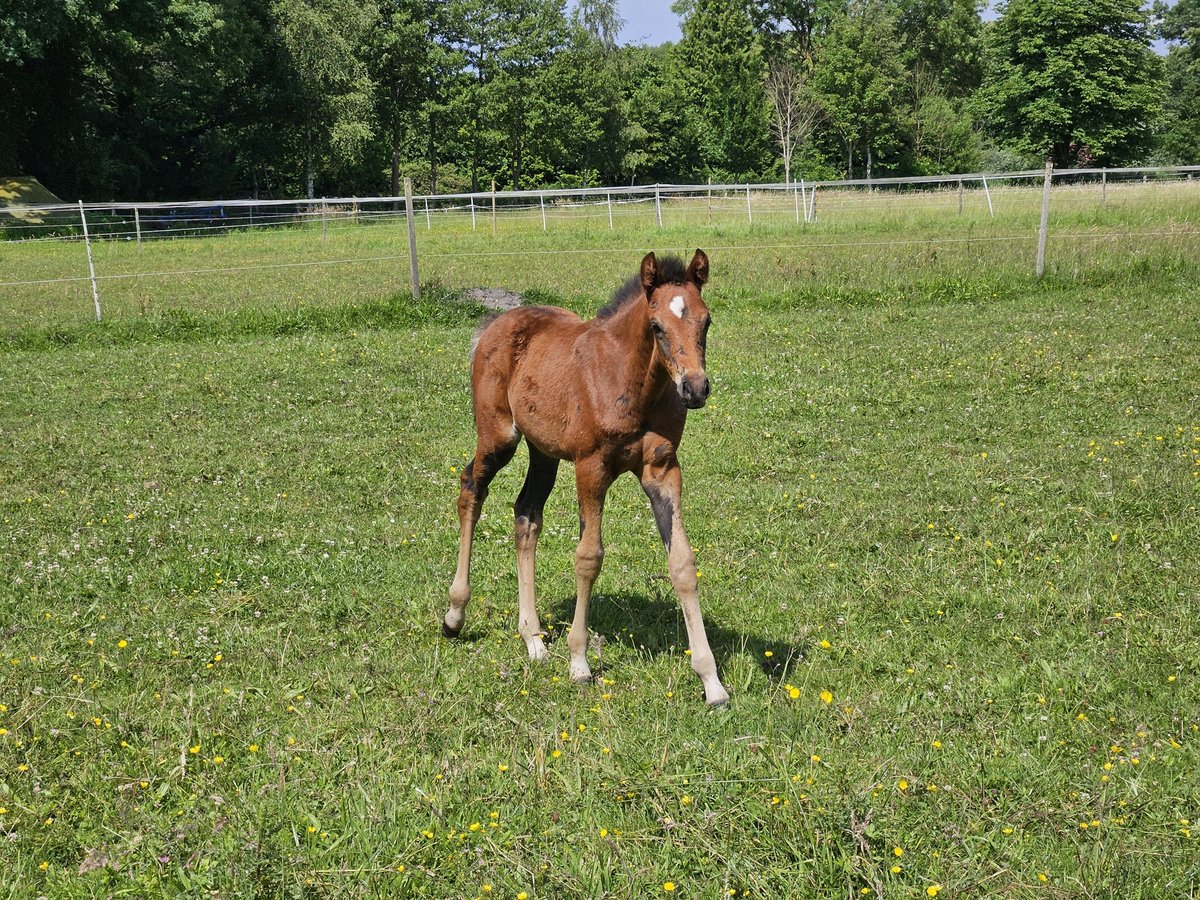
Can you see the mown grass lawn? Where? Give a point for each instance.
(946, 523)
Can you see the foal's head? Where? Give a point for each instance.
(680, 320)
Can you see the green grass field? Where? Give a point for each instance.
(945, 517)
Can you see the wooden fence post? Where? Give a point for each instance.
(137, 224)
(749, 213)
(960, 196)
(87, 240)
(988, 194)
(412, 240)
(542, 201)
(610, 224)
(657, 205)
(493, 207)
(1041, 247)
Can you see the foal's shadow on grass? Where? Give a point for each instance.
(655, 625)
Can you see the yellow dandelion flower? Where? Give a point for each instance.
(933, 890)
(669, 887)
(522, 896)
(897, 851)
(122, 644)
(43, 865)
(826, 697)
(902, 784)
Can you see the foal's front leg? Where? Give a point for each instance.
(592, 480)
(663, 484)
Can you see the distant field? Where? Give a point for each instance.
(945, 517)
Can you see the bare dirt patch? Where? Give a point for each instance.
(493, 298)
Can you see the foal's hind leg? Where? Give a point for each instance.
(592, 480)
(527, 511)
(491, 455)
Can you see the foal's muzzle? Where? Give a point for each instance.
(694, 390)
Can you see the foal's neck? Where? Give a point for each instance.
(641, 367)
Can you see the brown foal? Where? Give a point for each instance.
(611, 395)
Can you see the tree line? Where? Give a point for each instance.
(157, 99)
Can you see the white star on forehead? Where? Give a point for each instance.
(677, 304)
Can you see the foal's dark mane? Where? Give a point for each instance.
(671, 270)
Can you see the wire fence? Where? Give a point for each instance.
(145, 256)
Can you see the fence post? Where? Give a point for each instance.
(493, 207)
(988, 194)
(324, 222)
(472, 213)
(428, 223)
(812, 204)
(87, 240)
(137, 224)
(960, 196)
(1041, 247)
(796, 198)
(657, 205)
(542, 201)
(749, 214)
(412, 240)
(1104, 188)
(610, 225)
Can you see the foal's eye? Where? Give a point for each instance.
(658, 329)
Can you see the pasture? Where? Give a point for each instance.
(945, 517)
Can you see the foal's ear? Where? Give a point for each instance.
(698, 268)
(649, 271)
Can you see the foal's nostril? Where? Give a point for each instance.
(694, 390)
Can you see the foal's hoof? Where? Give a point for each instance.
(448, 632)
(717, 701)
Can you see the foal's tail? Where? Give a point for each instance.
(483, 326)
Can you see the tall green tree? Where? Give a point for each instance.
(722, 69)
(332, 88)
(532, 33)
(1180, 24)
(860, 78)
(1072, 81)
(943, 39)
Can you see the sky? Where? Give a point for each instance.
(648, 22)
(652, 22)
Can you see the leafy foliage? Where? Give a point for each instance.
(151, 99)
(1073, 82)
